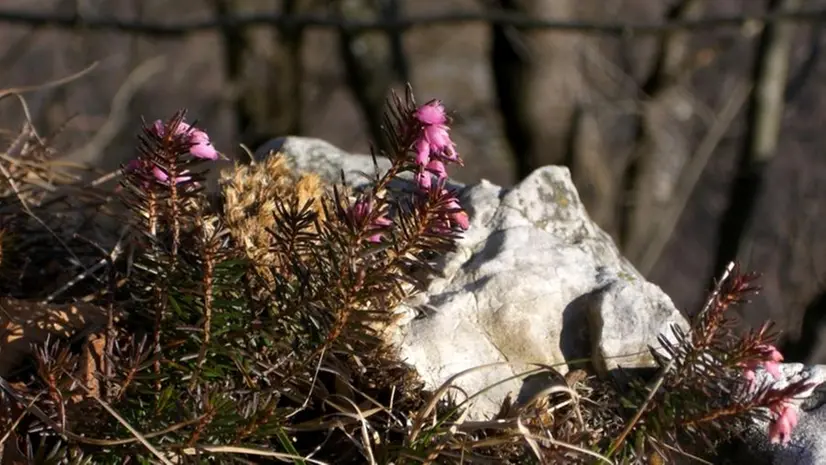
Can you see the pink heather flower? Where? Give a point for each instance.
(360, 210)
(423, 178)
(435, 141)
(460, 217)
(438, 168)
(432, 112)
(780, 428)
(457, 217)
(433, 146)
(770, 362)
(201, 145)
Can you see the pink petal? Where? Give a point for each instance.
(438, 138)
(423, 179)
(775, 355)
(158, 128)
(382, 221)
(163, 177)
(422, 152)
(438, 168)
(780, 431)
(202, 147)
(431, 113)
(160, 174)
(792, 416)
(462, 219)
(774, 369)
(204, 151)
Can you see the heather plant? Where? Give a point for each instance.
(248, 326)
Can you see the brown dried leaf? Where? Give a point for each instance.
(23, 323)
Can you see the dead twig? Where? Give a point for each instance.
(184, 28)
(689, 178)
(118, 114)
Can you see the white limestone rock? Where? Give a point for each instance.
(530, 277)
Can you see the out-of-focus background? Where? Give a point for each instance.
(692, 128)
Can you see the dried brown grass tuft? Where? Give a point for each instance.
(251, 193)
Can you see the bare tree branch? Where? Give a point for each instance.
(182, 28)
(771, 70)
(638, 202)
(664, 228)
(234, 45)
(368, 63)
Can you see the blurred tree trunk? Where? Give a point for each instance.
(538, 83)
(234, 48)
(663, 142)
(267, 103)
(369, 58)
(765, 114)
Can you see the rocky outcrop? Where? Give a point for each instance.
(533, 280)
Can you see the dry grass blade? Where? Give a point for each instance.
(58, 82)
(526, 433)
(553, 390)
(118, 115)
(365, 426)
(419, 420)
(448, 384)
(247, 451)
(682, 452)
(141, 438)
(530, 437)
(17, 421)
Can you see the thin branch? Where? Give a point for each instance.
(689, 177)
(368, 63)
(48, 85)
(765, 115)
(183, 28)
(637, 203)
(118, 114)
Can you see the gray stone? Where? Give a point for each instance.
(529, 278)
(322, 158)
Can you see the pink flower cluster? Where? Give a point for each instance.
(784, 421)
(770, 361)
(784, 413)
(360, 211)
(434, 148)
(433, 145)
(457, 216)
(200, 147)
